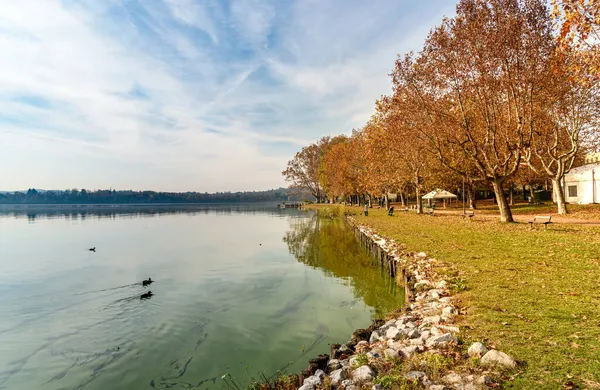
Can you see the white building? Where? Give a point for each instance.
(582, 184)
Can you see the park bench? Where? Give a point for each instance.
(469, 214)
(545, 220)
(428, 210)
(391, 211)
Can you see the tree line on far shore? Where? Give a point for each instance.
(505, 93)
(76, 196)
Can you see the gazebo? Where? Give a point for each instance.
(439, 194)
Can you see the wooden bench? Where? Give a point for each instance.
(391, 211)
(469, 214)
(545, 220)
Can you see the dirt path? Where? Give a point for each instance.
(523, 218)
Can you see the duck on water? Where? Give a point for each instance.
(147, 282)
(146, 295)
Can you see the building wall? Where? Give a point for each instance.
(582, 184)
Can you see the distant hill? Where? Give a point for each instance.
(75, 196)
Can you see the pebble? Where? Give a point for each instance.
(391, 353)
(415, 375)
(438, 341)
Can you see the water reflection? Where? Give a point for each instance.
(229, 296)
(330, 246)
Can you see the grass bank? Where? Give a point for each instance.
(534, 294)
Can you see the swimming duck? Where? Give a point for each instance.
(147, 282)
(146, 295)
(92, 249)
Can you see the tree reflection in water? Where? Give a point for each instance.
(330, 245)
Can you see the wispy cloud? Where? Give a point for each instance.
(188, 94)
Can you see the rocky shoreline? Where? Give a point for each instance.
(417, 347)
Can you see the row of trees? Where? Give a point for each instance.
(500, 94)
(75, 196)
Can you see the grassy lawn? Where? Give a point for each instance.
(534, 294)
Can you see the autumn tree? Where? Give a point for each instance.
(302, 171)
(477, 83)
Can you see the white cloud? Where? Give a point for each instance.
(263, 74)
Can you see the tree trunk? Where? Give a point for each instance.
(419, 200)
(559, 196)
(524, 192)
(471, 192)
(511, 194)
(532, 193)
(387, 202)
(505, 213)
(402, 202)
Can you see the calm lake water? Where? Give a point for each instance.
(238, 290)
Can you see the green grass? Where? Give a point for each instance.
(534, 294)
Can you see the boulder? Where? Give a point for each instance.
(477, 350)
(485, 380)
(313, 380)
(391, 354)
(497, 358)
(373, 355)
(432, 320)
(425, 335)
(337, 377)
(414, 334)
(306, 387)
(409, 351)
(415, 375)
(452, 378)
(417, 342)
(320, 374)
(363, 374)
(437, 341)
(333, 365)
(392, 333)
(448, 311)
(438, 387)
(375, 337)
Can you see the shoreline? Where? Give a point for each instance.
(419, 346)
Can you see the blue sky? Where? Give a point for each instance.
(179, 95)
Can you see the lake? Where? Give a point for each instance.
(242, 291)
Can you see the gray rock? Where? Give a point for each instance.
(409, 351)
(306, 387)
(497, 358)
(448, 311)
(451, 329)
(415, 375)
(363, 374)
(432, 320)
(377, 387)
(438, 387)
(391, 353)
(337, 377)
(485, 380)
(422, 254)
(313, 380)
(373, 355)
(392, 333)
(452, 378)
(352, 387)
(417, 342)
(437, 341)
(333, 365)
(414, 334)
(344, 348)
(477, 350)
(347, 382)
(353, 361)
(375, 337)
(410, 324)
(320, 374)
(345, 363)
(425, 335)
(435, 294)
(362, 343)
